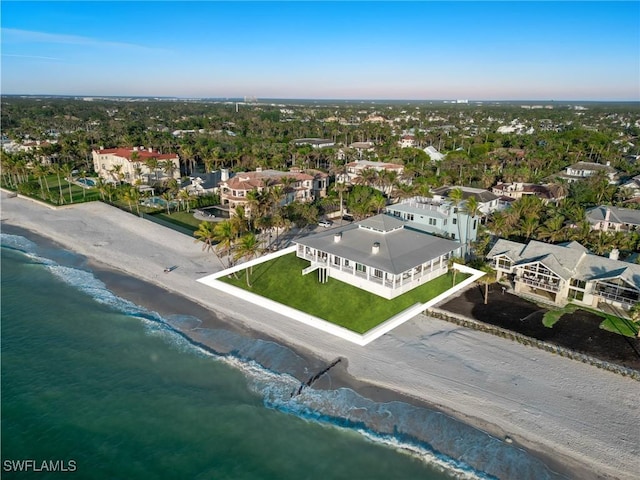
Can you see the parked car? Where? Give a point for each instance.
(325, 223)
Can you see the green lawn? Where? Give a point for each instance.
(182, 219)
(281, 280)
(621, 326)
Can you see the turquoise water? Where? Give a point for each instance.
(92, 378)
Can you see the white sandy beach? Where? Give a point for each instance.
(585, 418)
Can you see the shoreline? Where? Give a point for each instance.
(363, 371)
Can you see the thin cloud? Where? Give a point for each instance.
(30, 36)
(36, 57)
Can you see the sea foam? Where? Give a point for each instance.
(272, 370)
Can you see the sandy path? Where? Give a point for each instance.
(585, 418)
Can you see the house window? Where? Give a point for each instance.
(346, 262)
(453, 236)
(575, 294)
(409, 216)
(377, 273)
(336, 260)
(474, 224)
(360, 267)
(578, 283)
(504, 263)
(432, 221)
(444, 222)
(455, 221)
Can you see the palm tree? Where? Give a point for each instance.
(40, 171)
(450, 262)
(455, 195)
(168, 167)
(168, 198)
(206, 233)
(489, 277)
(132, 196)
(248, 246)
(225, 234)
(58, 169)
(552, 229)
(67, 170)
(153, 165)
(471, 208)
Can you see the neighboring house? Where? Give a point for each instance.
(487, 201)
(607, 218)
(437, 217)
(314, 142)
(632, 186)
(407, 141)
(297, 186)
(434, 154)
(380, 254)
(516, 190)
(581, 170)
(131, 164)
(205, 183)
(354, 170)
(567, 272)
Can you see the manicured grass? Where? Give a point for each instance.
(281, 280)
(619, 325)
(552, 316)
(182, 219)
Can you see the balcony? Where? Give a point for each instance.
(542, 283)
(617, 298)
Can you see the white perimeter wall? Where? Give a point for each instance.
(319, 323)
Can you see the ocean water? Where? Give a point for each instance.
(112, 390)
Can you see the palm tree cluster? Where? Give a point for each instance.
(530, 218)
(231, 238)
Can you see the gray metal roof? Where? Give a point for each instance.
(399, 250)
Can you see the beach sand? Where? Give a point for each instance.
(581, 420)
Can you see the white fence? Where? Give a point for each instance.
(319, 323)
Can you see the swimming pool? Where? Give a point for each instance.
(87, 182)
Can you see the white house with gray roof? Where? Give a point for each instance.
(436, 217)
(566, 273)
(381, 254)
(609, 218)
(487, 201)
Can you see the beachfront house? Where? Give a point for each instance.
(437, 217)
(380, 254)
(297, 185)
(567, 273)
(137, 164)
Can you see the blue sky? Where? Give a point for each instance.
(352, 50)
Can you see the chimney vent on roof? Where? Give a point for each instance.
(615, 254)
(376, 247)
(337, 237)
(135, 149)
(150, 149)
(258, 169)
